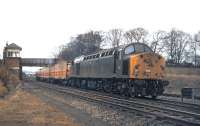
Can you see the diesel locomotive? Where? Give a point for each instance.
(131, 70)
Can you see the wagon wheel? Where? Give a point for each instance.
(70, 83)
(123, 90)
(154, 96)
(77, 82)
(131, 91)
(154, 93)
(107, 88)
(65, 83)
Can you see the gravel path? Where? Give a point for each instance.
(62, 102)
(24, 109)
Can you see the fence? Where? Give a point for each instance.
(188, 65)
(193, 93)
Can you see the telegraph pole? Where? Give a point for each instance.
(197, 39)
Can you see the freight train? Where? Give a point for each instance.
(131, 70)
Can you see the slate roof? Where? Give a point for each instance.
(13, 46)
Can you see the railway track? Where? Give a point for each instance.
(170, 104)
(158, 102)
(181, 114)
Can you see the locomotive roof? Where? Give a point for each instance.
(111, 51)
(121, 47)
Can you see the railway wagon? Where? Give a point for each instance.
(133, 70)
(43, 74)
(59, 72)
(56, 73)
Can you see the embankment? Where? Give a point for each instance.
(180, 77)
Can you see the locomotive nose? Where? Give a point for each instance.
(147, 66)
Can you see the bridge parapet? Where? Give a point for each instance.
(40, 62)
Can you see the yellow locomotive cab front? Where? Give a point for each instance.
(147, 66)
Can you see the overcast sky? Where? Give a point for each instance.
(38, 26)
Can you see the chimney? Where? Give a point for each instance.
(7, 43)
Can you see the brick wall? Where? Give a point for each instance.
(12, 62)
(14, 65)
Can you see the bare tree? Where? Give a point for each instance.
(176, 44)
(157, 43)
(83, 44)
(57, 50)
(114, 37)
(91, 41)
(136, 35)
(194, 46)
(183, 41)
(129, 36)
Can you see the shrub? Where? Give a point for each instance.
(8, 80)
(3, 89)
(4, 73)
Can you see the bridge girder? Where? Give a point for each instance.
(39, 62)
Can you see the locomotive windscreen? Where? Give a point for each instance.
(130, 49)
(142, 48)
(137, 48)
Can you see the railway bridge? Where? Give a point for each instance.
(40, 62)
(14, 62)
